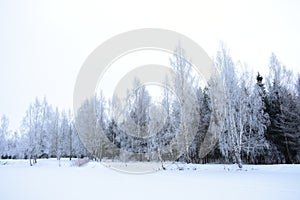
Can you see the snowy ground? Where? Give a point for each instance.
(46, 180)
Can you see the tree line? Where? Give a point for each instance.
(261, 121)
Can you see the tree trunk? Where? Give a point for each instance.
(30, 160)
(238, 158)
(70, 134)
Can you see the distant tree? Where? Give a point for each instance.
(78, 149)
(298, 113)
(31, 127)
(4, 132)
(45, 131)
(53, 130)
(138, 118)
(91, 125)
(63, 138)
(70, 138)
(35, 126)
(101, 125)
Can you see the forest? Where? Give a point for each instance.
(261, 121)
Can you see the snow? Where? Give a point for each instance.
(46, 180)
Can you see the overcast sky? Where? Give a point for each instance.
(44, 43)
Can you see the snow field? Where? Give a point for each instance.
(46, 180)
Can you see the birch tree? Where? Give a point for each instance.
(236, 108)
(184, 81)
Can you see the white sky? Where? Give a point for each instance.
(44, 43)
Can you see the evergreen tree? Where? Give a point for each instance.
(282, 131)
(254, 139)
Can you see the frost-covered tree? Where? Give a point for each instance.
(237, 109)
(35, 126)
(250, 112)
(262, 125)
(130, 125)
(78, 149)
(4, 132)
(185, 83)
(171, 110)
(44, 132)
(298, 113)
(254, 140)
(31, 126)
(282, 107)
(204, 111)
(53, 130)
(86, 123)
(138, 110)
(64, 136)
(91, 124)
(101, 125)
(246, 119)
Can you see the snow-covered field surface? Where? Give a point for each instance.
(46, 180)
